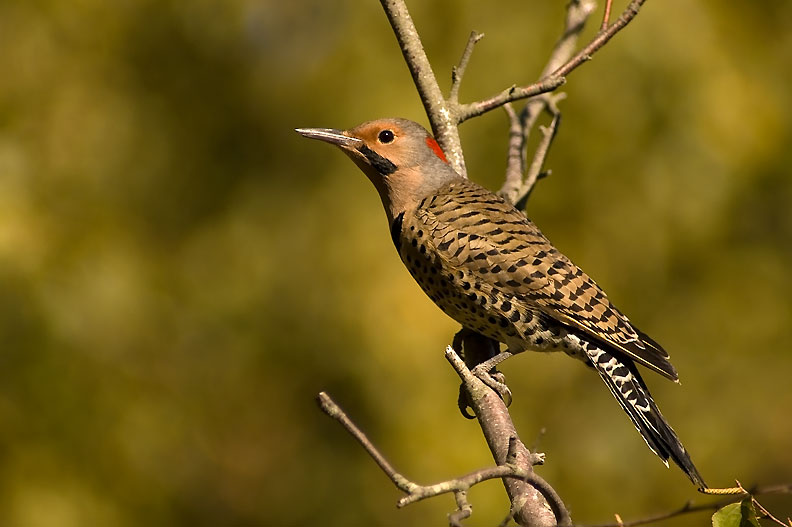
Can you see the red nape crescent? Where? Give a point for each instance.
(431, 143)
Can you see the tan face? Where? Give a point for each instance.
(392, 141)
(384, 137)
(398, 156)
(383, 147)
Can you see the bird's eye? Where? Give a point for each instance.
(386, 136)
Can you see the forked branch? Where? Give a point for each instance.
(557, 77)
(458, 486)
(516, 186)
(445, 114)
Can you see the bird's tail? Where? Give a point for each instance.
(626, 384)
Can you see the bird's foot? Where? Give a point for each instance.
(463, 403)
(485, 371)
(495, 380)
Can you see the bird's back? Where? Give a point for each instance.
(491, 269)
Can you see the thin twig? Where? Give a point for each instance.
(606, 15)
(765, 512)
(535, 168)
(558, 76)
(458, 486)
(519, 130)
(689, 508)
(578, 12)
(464, 509)
(514, 93)
(459, 71)
(463, 483)
(601, 39)
(516, 189)
(538, 440)
(329, 407)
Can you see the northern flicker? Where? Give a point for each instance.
(489, 268)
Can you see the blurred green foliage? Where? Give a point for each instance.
(180, 273)
(742, 514)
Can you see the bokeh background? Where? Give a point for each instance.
(180, 273)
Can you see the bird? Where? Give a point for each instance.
(487, 266)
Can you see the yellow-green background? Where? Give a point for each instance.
(180, 273)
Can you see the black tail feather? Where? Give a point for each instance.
(627, 386)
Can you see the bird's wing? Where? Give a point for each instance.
(476, 231)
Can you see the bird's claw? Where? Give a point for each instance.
(463, 403)
(495, 380)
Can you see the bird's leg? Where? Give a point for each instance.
(462, 399)
(493, 362)
(459, 338)
(479, 353)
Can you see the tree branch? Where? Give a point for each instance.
(689, 508)
(557, 77)
(514, 189)
(446, 114)
(577, 14)
(512, 468)
(505, 445)
(459, 71)
(535, 168)
(514, 93)
(517, 188)
(601, 39)
(606, 15)
(329, 407)
(441, 117)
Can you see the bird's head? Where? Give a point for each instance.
(400, 157)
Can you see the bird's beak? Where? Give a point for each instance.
(332, 136)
